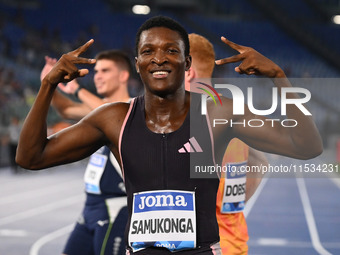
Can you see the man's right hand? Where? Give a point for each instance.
(65, 69)
(69, 88)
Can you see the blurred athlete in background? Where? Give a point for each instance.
(100, 228)
(229, 206)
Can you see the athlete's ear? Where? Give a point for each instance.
(187, 62)
(136, 64)
(188, 78)
(190, 74)
(123, 76)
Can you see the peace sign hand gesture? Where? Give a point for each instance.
(252, 61)
(66, 70)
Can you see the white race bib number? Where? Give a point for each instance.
(234, 193)
(94, 172)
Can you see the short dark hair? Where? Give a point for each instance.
(117, 56)
(162, 21)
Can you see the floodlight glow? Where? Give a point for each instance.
(336, 19)
(141, 9)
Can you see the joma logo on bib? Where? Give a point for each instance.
(162, 201)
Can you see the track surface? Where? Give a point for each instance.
(285, 216)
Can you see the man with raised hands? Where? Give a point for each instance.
(168, 210)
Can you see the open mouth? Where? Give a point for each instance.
(160, 74)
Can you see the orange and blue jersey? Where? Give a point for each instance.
(231, 200)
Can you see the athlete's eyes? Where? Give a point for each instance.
(172, 50)
(146, 51)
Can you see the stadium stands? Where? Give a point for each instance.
(52, 27)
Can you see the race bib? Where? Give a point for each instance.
(234, 193)
(94, 172)
(163, 218)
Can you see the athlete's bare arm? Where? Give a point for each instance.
(102, 127)
(302, 141)
(254, 178)
(88, 99)
(67, 108)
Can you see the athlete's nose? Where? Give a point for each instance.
(159, 58)
(98, 75)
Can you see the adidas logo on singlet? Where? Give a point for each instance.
(191, 146)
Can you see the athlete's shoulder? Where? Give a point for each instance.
(113, 108)
(109, 114)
